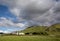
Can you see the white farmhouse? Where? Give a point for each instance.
(20, 33)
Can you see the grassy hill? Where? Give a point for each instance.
(35, 29)
(43, 30)
(54, 29)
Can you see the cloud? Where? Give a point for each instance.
(33, 12)
(15, 11)
(6, 31)
(8, 23)
(1, 31)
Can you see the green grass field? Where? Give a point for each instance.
(28, 38)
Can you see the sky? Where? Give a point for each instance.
(18, 14)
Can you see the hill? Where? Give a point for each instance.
(54, 29)
(43, 30)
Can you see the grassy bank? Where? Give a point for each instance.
(28, 38)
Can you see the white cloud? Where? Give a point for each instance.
(20, 24)
(8, 31)
(9, 23)
(15, 11)
(1, 31)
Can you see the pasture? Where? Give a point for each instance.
(29, 38)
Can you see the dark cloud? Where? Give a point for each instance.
(44, 12)
(35, 12)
